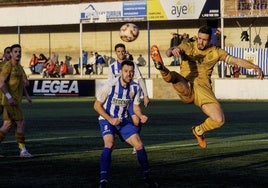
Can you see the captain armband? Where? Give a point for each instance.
(228, 59)
(8, 96)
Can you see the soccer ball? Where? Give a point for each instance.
(129, 32)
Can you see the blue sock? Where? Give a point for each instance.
(106, 158)
(143, 160)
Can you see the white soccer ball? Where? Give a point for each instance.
(129, 32)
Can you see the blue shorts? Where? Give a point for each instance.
(124, 129)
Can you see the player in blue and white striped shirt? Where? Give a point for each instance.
(114, 71)
(112, 105)
(115, 67)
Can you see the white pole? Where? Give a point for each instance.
(81, 48)
(222, 37)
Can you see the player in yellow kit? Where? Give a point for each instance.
(193, 83)
(6, 57)
(12, 84)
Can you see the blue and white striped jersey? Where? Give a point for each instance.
(117, 98)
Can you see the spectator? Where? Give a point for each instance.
(194, 38)
(42, 59)
(33, 62)
(106, 59)
(84, 62)
(49, 69)
(92, 62)
(221, 65)
(185, 38)
(141, 61)
(54, 57)
(63, 69)
(68, 64)
(100, 62)
(175, 41)
(217, 41)
(56, 71)
(129, 56)
(85, 57)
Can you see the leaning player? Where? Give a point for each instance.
(112, 106)
(193, 83)
(6, 57)
(12, 84)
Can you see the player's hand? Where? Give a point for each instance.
(146, 101)
(30, 102)
(115, 121)
(144, 118)
(176, 51)
(259, 72)
(12, 101)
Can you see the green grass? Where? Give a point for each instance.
(63, 135)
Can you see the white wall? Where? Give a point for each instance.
(40, 15)
(241, 89)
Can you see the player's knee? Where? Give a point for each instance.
(109, 145)
(138, 146)
(219, 122)
(6, 126)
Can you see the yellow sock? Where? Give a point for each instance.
(21, 146)
(20, 140)
(170, 76)
(208, 125)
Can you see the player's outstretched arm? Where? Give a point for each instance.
(174, 51)
(246, 64)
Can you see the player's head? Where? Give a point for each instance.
(204, 37)
(15, 52)
(127, 71)
(120, 51)
(7, 52)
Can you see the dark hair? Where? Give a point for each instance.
(119, 45)
(127, 62)
(206, 30)
(7, 49)
(15, 46)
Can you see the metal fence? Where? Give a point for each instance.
(256, 56)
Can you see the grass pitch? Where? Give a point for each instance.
(63, 135)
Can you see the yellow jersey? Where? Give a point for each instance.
(15, 81)
(197, 65)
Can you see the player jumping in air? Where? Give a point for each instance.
(193, 83)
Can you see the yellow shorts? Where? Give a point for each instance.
(199, 95)
(13, 113)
